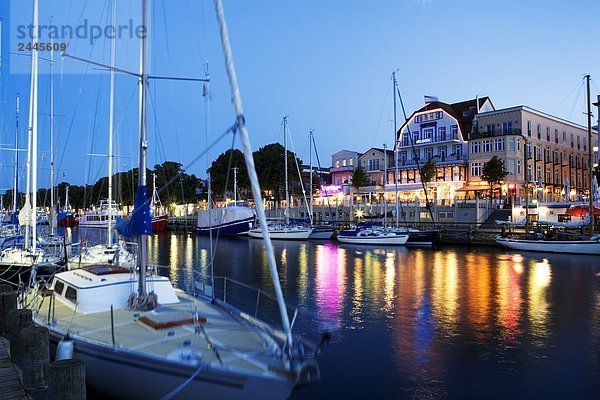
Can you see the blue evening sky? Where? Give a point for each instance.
(327, 64)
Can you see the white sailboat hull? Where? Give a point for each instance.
(321, 234)
(283, 233)
(120, 374)
(552, 246)
(378, 240)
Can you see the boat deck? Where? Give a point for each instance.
(222, 340)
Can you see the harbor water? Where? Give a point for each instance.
(422, 323)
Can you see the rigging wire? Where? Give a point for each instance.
(412, 145)
(299, 172)
(576, 87)
(576, 100)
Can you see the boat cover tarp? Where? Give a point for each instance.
(140, 221)
(223, 216)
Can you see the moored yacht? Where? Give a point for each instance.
(279, 231)
(98, 217)
(590, 246)
(236, 218)
(373, 236)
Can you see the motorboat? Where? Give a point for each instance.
(373, 236)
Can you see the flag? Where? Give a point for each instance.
(430, 99)
(204, 90)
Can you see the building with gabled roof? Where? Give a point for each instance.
(437, 131)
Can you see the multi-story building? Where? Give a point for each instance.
(438, 131)
(374, 161)
(342, 166)
(547, 152)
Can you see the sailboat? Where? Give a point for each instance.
(13, 216)
(320, 232)
(17, 260)
(108, 212)
(416, 237)
(236, 218)
(159, 218)
(67, 218)
(553, 242)
(284, 231)
(141, 338)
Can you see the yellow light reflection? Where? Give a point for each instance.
(303, 273)
(478, 281)
(509, 300)
(389, 283)
(358, 297)
(538, 310)
(445, 290)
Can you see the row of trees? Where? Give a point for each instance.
(269, 163)
(174, 185)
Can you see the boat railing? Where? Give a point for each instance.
(248, 300)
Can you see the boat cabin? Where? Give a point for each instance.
(96, 288)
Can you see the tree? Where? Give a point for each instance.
(493, 173)
(428, 174)
(269, 163)
(360, 178)
(221, 174)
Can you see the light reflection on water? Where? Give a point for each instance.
(422, 323)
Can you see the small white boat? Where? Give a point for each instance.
(374, 236)
(115, 254)
(282, 232)
(97, 217)
(590, 246)
(321, 232)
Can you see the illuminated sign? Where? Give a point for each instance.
(331, 189)
(420, 141)
(512, 185)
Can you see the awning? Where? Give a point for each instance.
(473, 188)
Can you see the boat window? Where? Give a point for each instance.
(71, 294)
(59, 287)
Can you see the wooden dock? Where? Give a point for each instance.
(10, 384)
(183, 224)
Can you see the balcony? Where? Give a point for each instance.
(341, 169)
(429, 141)
(486, 134)
(438, 160)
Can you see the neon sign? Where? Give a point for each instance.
(331, 189)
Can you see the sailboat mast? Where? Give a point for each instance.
(285, 163)
(34, 127)
(260, 208)
(591, 154)
(110, 127)
(16, 168)
(384, 182)
(395, 150)
(235, 185)
(310, 180)
(66, 199)
(52, 203)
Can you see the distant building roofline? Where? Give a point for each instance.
(538, 112)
